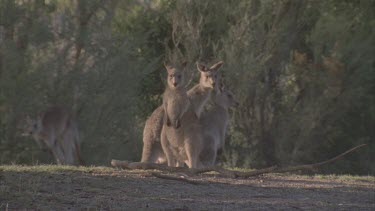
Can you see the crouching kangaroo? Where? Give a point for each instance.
(184, 144)
(215, 122)
(56, 129)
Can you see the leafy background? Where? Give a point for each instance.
(303, 72)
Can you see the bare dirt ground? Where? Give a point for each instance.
(102, 188)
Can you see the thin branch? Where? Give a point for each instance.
(181, 179)
(146, 166)
(316, 165)
(222, 171)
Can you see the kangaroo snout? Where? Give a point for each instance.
(175, 84)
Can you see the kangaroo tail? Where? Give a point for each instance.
(77, 144)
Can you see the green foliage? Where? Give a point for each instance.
(303, 72)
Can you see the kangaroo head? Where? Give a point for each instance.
(31, 127)
(225, 98)
(209, 75)
(176, 75)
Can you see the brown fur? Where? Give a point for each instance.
(57, 129)
(152, 150)
(175, 99)
(215, 122)
(185, 144)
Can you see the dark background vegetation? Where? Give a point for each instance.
(303, 72)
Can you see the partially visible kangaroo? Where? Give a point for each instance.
(56, 129)
(198, 95)
(175, 99)
(152, 150)
(215, 123)
(207, 82)
(185, 144)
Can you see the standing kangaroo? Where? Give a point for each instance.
(215, 123)
(175, 99)
(56, 129)
(185, 144)
(199, 94)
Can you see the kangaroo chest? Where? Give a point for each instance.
(176, 142)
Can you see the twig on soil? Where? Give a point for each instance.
(145, 166)
(222, 171)
(316, 165)
(148, 166)
(161, 176)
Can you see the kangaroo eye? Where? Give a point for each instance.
(207, 77)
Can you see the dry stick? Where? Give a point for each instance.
(296, 168)
(256, 172)
(315, 165)
(222, 171)
(175, 178)
(226, 172)
(146, 166)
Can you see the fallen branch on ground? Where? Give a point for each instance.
(225, 172)
(161, 167)
(181, 179)
(316, 165)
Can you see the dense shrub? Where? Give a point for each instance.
(303, 72)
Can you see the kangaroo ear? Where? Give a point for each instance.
(167, 67)
(201, 67)
(216, 66)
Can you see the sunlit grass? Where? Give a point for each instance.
(53, 168)
(106, 169)
(341, 177)
(347, 177)
(239, 169)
